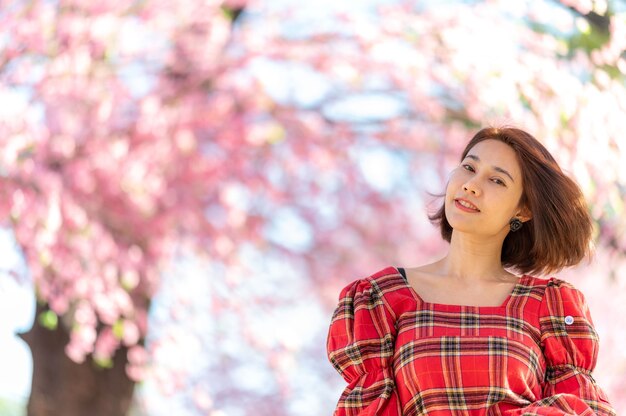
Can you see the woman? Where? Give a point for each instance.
(465, 335)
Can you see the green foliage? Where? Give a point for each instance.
(613, 72)
(118, 329)
(103, 362)
(588, 40)
(49, 319)
(588, 37)
(231, 13)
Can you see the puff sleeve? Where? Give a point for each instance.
(360, 346)
(570, 346)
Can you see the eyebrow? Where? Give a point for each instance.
(496, 168)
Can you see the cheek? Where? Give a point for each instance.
(448, 188)
(455, 180)
(451, 192)
(446, 204)
(509, 206)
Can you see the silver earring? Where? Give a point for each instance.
(515, 224)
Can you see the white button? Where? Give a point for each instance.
(569, 320)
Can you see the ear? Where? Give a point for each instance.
(524, 214)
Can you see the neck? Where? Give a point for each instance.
(474, 258)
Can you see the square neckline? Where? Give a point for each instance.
(504, 304)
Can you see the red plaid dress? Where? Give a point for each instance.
(400, 355)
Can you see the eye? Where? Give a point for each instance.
(498, 181)
(468, 167)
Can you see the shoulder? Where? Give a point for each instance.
(564, 310)
(568, 335)
(550, 296)
(563, 293)
(546, 288)
(386, 286)
(382, 281)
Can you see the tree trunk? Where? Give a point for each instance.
(62, 387)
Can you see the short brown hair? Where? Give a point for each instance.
(560, 231)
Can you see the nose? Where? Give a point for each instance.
(470, 187)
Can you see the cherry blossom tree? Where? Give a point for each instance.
(136, 134)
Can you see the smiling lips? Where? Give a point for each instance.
(465, 205)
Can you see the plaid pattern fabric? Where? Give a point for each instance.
(533, 355)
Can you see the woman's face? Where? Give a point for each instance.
(484, 191)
